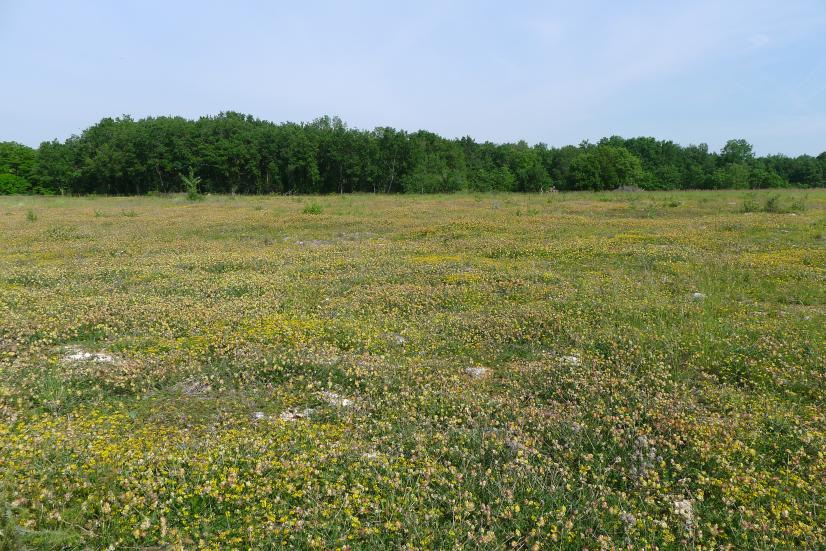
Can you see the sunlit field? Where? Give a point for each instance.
(464, 371)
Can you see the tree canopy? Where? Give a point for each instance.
(237, 153)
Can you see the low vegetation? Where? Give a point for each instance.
(467, 371)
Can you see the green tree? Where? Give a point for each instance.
(762, 178)
(737, 151)
(11, 184)
(605, 167)
(237, 153)
(806, 171)
(17, 159)
(57, 168)
(733, 176)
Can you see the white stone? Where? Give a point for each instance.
(571, 360)
(294, 415)
(83, 356)
(685, 509)
(336, 400)
(477, 372)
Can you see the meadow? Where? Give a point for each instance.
(491, 371)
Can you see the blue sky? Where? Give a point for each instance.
(555, 72)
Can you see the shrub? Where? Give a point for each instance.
(191, 184)
(750, 204)
(798, 205)
(312, 208)
(772, 204)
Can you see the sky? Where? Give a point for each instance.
(557, 72)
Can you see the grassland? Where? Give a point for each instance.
(359, 372)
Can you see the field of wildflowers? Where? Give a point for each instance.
(642, 370)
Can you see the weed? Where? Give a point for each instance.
(312, 208)
(10, 539)
(798, 204)
(772, 204)
(750, 204)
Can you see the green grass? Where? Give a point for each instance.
(270, 379)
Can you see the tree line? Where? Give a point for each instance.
(237, 153)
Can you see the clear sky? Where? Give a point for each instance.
(554, 72)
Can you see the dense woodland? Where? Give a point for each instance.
(236, 153)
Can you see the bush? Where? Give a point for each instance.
(798, 205)
(191, 184)
(772, 204)
(312, 208)
(750, 204)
